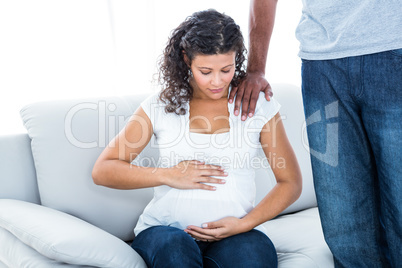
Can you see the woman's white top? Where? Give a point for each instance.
(235, 150)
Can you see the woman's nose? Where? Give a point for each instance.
(216, 79)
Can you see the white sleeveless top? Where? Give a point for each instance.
(234, 150)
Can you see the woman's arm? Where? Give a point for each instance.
(287, 172)
(114, 169)
(287, 190)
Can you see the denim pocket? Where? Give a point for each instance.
(397, 52)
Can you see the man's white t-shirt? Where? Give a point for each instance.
(331, 29)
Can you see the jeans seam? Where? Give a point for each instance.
(217, 264)
(350, 86)
(362, 77)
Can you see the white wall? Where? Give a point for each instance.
(53, 49)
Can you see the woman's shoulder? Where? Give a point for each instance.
(155, 108)
(152, 105)
(152, 99)
(266, 108)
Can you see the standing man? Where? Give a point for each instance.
(352, 92)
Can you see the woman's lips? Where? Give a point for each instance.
(218, 90)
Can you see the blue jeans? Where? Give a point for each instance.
(164, 246)
(353, 109)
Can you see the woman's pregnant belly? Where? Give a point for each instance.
(181, 208)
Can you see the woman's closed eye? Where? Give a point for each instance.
(223, 71)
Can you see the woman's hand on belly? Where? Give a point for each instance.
(217, 230)
(193, 174)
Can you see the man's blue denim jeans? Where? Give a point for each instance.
(164, 246)
(353, 109)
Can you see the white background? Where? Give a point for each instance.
(56, 49)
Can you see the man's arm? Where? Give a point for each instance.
(261, 24)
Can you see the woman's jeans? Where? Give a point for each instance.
(353, 109)
(164, 246)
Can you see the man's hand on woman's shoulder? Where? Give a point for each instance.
(247, 94)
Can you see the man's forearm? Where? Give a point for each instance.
(261, 24)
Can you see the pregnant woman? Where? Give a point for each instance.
(203, 213)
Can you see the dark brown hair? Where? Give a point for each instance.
(203, 33)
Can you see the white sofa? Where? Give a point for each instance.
(53, 215)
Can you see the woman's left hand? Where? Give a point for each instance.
(217, 230)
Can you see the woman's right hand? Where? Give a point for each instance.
(192, 174)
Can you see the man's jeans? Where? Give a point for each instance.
(164, 246)
(353, 109)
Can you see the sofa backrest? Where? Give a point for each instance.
(17, 170)
(68, 136)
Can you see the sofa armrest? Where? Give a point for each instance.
(17, 170)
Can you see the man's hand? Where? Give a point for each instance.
(247, 94)
(217, 230)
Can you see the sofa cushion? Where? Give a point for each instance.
(59, 238)
(299, 240)
(18, 254)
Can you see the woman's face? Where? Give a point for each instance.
(212, 75)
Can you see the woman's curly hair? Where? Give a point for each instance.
(203, 33)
